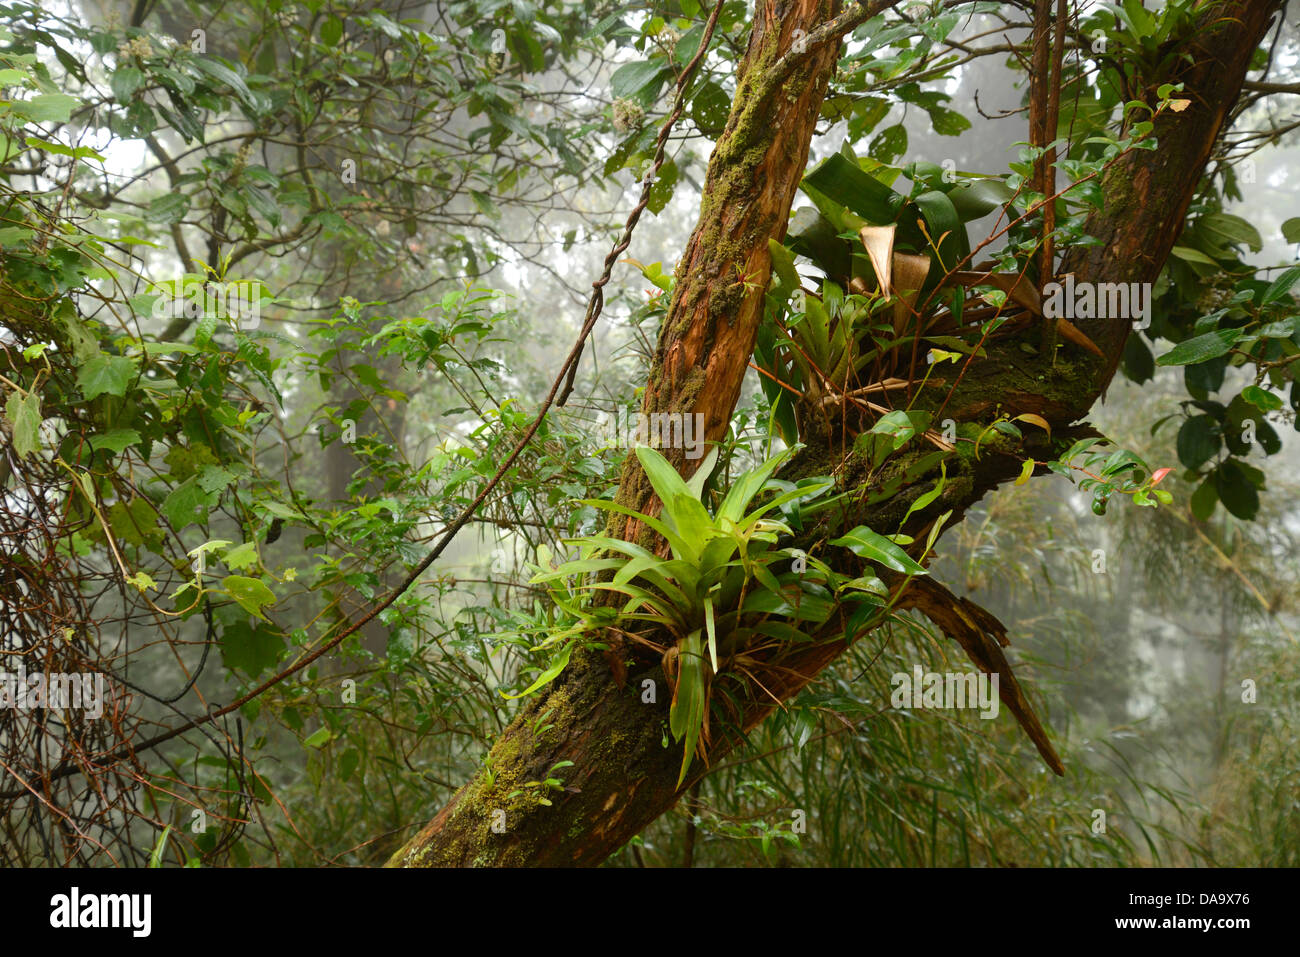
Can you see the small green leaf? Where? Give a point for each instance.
(558, 664)
(251, 594)
(15, 235)
(155, 856)
(710, 108)
(1199, 441)
(1188, 254)
(214, 478)
(318, 738)
(24, 413)
(980, 198)
(141, 581)
(348, 762)
(331, 31)
(924, 499)
(484, 202)
(253, 650)
(124, 82)
(948, 122)
(167, 209)
(187, 504)
(889, 144)
(900, 425)
(1268, 401)
(1026, 470)
(223, 74)
(241, 557)
(1237, 493)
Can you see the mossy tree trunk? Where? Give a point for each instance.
(623, 775)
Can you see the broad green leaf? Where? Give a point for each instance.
(889, 144)
(898, 425)
(635, 77)
(710, 108)
(1237, 493)
(331, 31)
(214, 478)
(250, 649)
(661, 191)
(187, 504)
(747, 485)
(692, 520)
(843, 182)
(1281, 287)
(944, 228)
(677, 543)
(667, 483)
(948, 122)
(1201, 348)
(783, 266)
(251, 594)
(124, 82)
(115, 440)
(979, 198)
(241, 557)
(105, 374)
(583, 567)
(1225, 228)
(47, 108)
(15, 235)
(696, 482)
(865, 543)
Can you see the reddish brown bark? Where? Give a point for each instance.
(709, 332)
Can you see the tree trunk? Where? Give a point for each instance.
(624, 768)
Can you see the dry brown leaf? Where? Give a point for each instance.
(1071, 332)
(910, 271)
(879, 243)
(1018, 287)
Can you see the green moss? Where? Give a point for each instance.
(727, 302)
